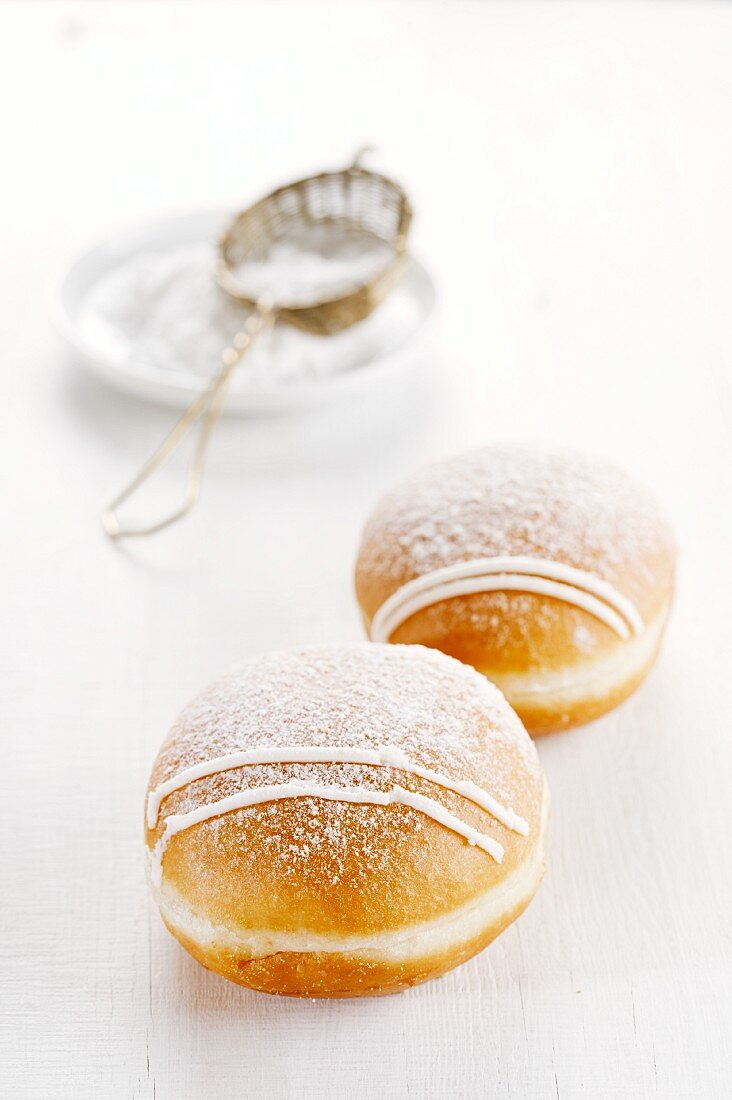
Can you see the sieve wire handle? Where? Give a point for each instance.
(206, 408)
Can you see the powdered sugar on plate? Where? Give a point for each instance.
(162, 308)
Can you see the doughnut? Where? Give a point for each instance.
(550, 572)
(344, 821)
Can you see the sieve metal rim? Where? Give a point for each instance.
(377, 284)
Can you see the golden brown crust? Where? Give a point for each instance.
(552, 505)
(417, 870)
(309, 867)
(340, 974)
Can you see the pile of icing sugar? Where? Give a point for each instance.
(164, 309)
(508, 500)
(314, 262)
(359, 695)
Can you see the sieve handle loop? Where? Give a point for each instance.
(206, 408)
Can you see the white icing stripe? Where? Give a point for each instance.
(384, 625)
(255, 796)
(386, 756)
(519, 574)
(539, 567)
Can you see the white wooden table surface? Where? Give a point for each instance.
(571, 167)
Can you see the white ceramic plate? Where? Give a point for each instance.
(177, 387)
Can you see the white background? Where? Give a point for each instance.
(571, 169)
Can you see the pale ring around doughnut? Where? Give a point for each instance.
(344, 821)
(550, 572)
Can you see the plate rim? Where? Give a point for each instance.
(178, 388)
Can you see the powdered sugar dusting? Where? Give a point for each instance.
(442, 714)
(507, 500)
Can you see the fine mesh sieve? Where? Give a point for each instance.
(352, 207)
